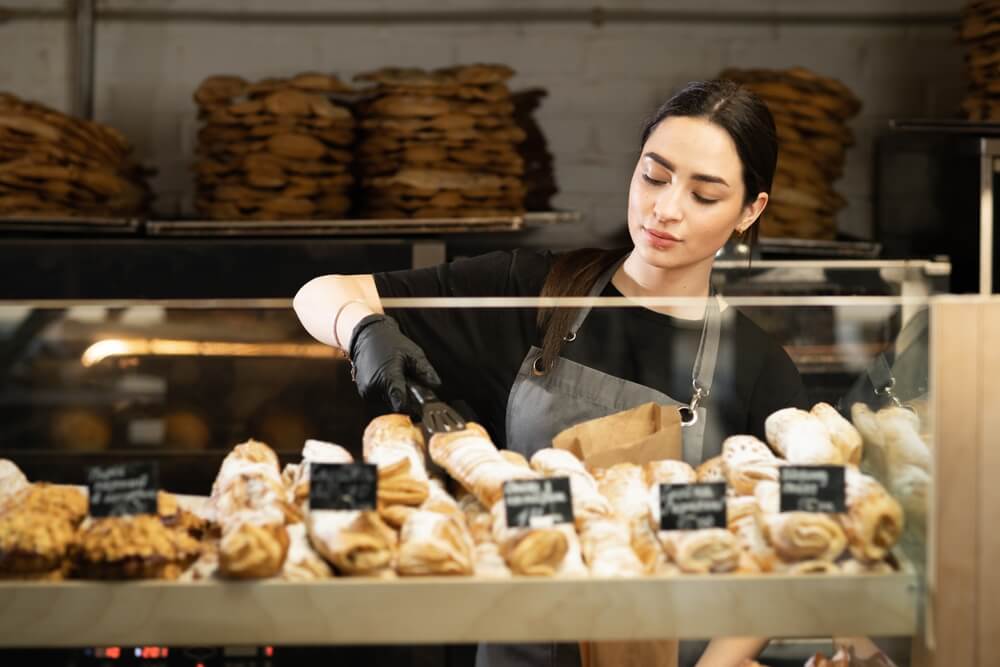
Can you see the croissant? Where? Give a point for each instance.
(747, 461)
(800, 536)
(842, 433)
(474, 461)
(873, 521)
(434, 543)
(801, 438)
(624, 485)
(394, 436)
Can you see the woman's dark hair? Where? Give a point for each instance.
(750, 125)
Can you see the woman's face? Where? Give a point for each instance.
(686, 196)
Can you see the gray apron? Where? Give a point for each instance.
(542, 404)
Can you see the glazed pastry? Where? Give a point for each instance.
(174, 516)
(528, 551)
(12, 480)
(669, 472)
(34, 545)
(801, 438)
(389, 438)
(432, 543)
(768, 496)
(873, 521)
(842, 433)
(473, 461)
(747, 461)
(607, 549)
(799, 536)
(624, 485)
(515, 457)
(440, 501)
(744, 520)
(302, 563)
(572, 564)
(252, 550)
(646, 545)
(478, 519)
(489, 563)
(249, 487)
(356, 543)
(132, 547)
(712, 550)
(711, 470)
(588, 502)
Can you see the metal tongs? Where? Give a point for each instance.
(436, 416)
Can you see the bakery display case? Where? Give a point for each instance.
(182, 383)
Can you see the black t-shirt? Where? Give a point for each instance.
(477, 352)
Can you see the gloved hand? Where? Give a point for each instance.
(385, 360)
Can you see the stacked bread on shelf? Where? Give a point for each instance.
(811, 113)
(979, 32)
(539, 163)
(277, 149)
(258, 522)
(440, 144)
(55, 165)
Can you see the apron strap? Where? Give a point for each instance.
(602, 282)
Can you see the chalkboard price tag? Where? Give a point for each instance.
(538, 503)
(123, 488)
(692, 506)
(343, 486)
(813, 489)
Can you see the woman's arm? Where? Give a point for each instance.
(319, 300)
(731, 651)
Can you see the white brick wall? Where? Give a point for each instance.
(602, 81)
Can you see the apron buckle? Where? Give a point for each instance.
(689, 413)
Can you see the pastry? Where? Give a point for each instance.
(529, 551)
(820, 566)
(607, 549)
(516, 458)
(302, 563)
(478, 519)
(801, 438)
(55, 500)
(843, 434)
(132, 547)
(747, 461)
(34, 545)
(712, 550)
(624, 485)
(356, 543)
(588, 502)
(474, 461)
(252, 550)
(174, 516)
(432, 543)
(711, 471)
(390, 438)
(12, 480)
(489, 562)
(745, 520)
(873, 521)
(669, 472)
(768, 496)
(799, 536)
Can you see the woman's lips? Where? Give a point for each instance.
(660, 239)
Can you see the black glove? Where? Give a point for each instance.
(384, 360)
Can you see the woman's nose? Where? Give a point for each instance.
(667, 206)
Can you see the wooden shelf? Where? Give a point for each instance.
(442, 610)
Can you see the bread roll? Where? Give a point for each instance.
(844, 436)
(801, 536)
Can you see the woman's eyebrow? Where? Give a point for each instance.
(707, 178)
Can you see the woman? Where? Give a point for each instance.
(704, 173)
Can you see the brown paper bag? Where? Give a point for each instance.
(649, 432)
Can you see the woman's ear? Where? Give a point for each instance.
(751, 213)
